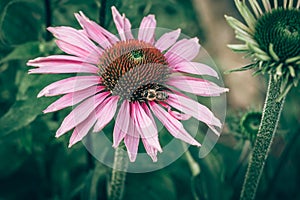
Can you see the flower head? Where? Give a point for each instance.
(133, 79)
(272, 38)
(249, 124)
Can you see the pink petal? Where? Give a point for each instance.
(69, 85)
(151, 151)
(173, 125)
(193, 108)
(122, 123)
(88, 56)
(82, 129)
(167, 40)
(147, 29)
(104, 38)
(183, 50)
(122, 24)
(76, 38)
(131, 141)
(55, 60)
(80, 113)
(196, 86)
(72, 98)
(67, 68)
(105, 113)
(145, 126)
(195, 68)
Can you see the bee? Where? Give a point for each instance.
(155, 95)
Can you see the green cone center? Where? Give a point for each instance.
(280, 27)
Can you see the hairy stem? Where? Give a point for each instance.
(117, 183)
(268, 125)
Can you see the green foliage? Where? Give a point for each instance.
(171, 14)
(29, 50)
(155, 186)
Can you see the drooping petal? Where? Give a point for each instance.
(173, 125)
(105, 113)
(193, 108)
(122, 123)
(147, 29)
(151, 151)
(73, 98)
(77, 51)
(82, 129)
(195, 68)
(104, 38)
(80, 113)
(183, 50)
(122, 24)
(167, 40)
(131, 139)
(146, 127)
(69, 85)
(196, 86)
(75, 37)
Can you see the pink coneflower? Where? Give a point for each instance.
(132, 79)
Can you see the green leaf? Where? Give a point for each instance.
(208, 184)
(11, 155)
(28, 106)
(22, 113)
(30, 50)
(154, 186)
(181, 175)
(21, 22)
(247, 67)
(63, 12)
(74, 2)
(93, 180)
(23, 52)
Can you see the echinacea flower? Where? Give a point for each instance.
(132, 79)
(272, 38)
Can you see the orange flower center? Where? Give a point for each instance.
(130, 68)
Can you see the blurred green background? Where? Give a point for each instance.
(35, 165)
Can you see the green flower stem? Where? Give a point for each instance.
(266, 132)
(117, 183)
